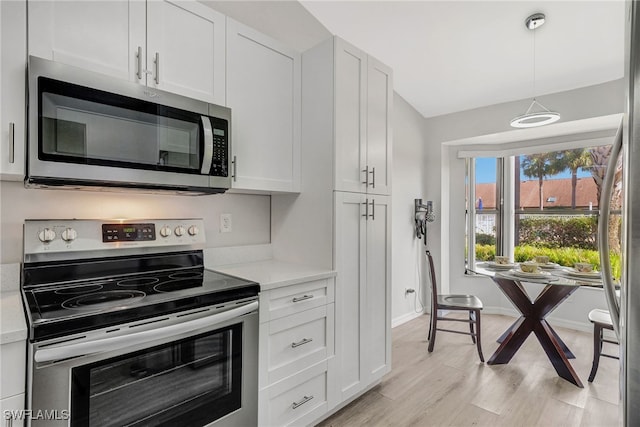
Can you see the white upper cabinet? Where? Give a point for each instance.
(101, 36)
(13, 45)
(363, 95)
(176, 46)
(185, 49)
(263, 92)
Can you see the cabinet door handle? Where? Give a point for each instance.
(139, 63)
(302, 298)
(157, 61)
(304, 400)
(234, 162)
(373, 177)
(373, 209)
(366, 209)
(12, 142)
(301, 342)
(366, 176)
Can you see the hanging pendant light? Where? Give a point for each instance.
(537, 114)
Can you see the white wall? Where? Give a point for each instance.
(409, 183)
(250, 213)
(593, 101)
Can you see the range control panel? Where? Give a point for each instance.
(128, 232)
(73, 236)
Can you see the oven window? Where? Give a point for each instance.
(88, 126)
(184, 383)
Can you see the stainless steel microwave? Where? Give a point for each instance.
(88, 130)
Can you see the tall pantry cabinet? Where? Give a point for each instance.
(341, 218)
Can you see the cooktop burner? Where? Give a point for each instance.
(106, 299)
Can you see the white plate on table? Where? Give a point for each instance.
(536, 275)
(548, 266)
(583, 274)
(494, 265)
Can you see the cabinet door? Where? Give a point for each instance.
(185, 49)
(378, 306)
(379, 101)
(350, 118)
(101, 36)
(263, 92)
(350, 305)
(12, 410)
(13, 45)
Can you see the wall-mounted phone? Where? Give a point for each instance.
(423, 213)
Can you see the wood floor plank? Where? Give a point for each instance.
(450, 387)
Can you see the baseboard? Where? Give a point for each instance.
(405, 318)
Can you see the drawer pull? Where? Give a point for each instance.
(301, 342)
(302, 298)
(12, 142)
(304, 400)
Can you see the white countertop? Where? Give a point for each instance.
(13, 325)
(272, 274)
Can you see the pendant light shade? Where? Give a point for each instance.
(537, 114)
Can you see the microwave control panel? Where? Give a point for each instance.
(219, 165)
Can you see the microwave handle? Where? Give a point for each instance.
(207, 156)
(65, 351)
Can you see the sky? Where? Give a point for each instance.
(486, 171)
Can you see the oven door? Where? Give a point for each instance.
(204, 378)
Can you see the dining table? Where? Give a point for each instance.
(558, 284)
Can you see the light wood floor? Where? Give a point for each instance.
(451, 387)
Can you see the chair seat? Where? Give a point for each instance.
(600, 316)
(464, 302)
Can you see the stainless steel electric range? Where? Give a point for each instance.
(127, 327)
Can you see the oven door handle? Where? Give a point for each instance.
(66, 351)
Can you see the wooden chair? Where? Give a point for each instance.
(601, 320)
(469, 303)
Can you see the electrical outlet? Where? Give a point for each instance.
(225, 223)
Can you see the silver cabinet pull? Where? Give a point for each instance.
(373, 177)
(301, 342)
(234, 162)
(366, 176)
(157, 68)
(304, 400)
(366, 209)
(139, 63)
(12, 142)
(373, 209)
(302, 298)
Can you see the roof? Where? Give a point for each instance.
(556, 193)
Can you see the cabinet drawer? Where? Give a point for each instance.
(295, 342)
(298, 400)
(12, 369)
(280, 302)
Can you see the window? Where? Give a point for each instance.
(541, 204)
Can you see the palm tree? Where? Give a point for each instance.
(578, 158)
(539, 166)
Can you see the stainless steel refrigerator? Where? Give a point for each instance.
(625, 309)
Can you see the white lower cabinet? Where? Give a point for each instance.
(11, 408)
(297, 346)
(363, 282)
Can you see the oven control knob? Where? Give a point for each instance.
(193, 230)
(69, 235)
(165, 231)
(179, 231)
(46, 235)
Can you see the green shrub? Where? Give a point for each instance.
(559, 232)
(485, 239)
(485, 252)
